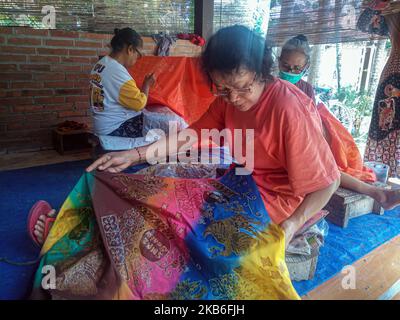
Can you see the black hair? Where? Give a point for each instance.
(237, 46)
(298, 43)
(125, 37)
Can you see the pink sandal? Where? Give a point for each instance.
(39, 208)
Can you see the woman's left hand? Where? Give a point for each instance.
(115, 162)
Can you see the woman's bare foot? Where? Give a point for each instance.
(388, 199)
(40, 226)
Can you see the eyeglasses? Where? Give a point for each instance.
(226, 92)
(139, 53)
(292, 69)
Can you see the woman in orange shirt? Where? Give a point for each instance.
(293, 167)
(293, 64)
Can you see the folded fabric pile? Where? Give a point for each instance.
(71, 126)
(193, 38)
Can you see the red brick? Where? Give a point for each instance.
(102, 53)
(16, 101)
(60, 43)
(26, 125)
(12, 58)
(52, 51)
(2, 40)
(64, 34)
(36, 93)
(31, 32)
(3, 110)
(8, 67)
(49, 100)
(15, 76)
(10, 118)
(44, 59)
(87, 69)
(84, 84)
(148, 40)
(59, 84)
(76, 60)
(88, 44)
(80, 52)
(43, 116)
(49, 76)
(98, 36)
(11, 49)
(26, 85)
(87, 120)
(24, 41)
(11, 143)
(81, 98)
(61, 67)
(13, 93)
(64, 114)
(35, 67)
(27, 108)
(77, 76)
(69, 92)
(6, 30)
(50, 123)
(82, 105)
(59, 107)
(4, 85)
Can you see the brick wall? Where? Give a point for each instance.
(44, 81)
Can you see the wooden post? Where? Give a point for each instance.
(204, 18)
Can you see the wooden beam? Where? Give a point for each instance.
(204, 18)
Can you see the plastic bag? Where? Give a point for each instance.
(157, 121)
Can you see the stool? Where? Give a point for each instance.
(346, 204)
(71, 141)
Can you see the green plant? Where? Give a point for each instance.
(360, 105)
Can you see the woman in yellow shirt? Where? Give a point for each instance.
(116, 101)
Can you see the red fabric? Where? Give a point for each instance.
(180, 84)
(343, 147)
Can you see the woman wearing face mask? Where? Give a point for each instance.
(293, 64)
(116, 101)
(293, 168)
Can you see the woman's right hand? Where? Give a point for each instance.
(149, 80)
(115, 162)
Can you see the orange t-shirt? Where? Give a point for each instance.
(291, 156)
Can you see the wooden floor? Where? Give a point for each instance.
(377, 274)
(32, 159)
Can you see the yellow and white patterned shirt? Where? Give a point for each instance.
(114, 96)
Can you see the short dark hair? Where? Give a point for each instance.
(125, 37)
(237, 46)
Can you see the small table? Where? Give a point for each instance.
(71, 141)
